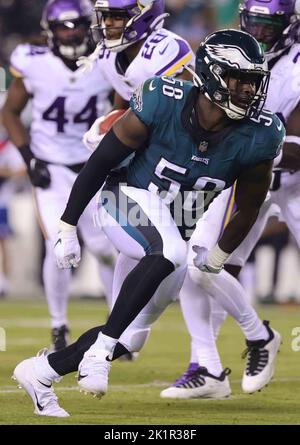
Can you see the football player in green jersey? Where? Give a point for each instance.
(185, 139)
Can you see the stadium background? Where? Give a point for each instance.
(271, 275)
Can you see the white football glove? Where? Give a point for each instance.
(100, 127)
(203, 261)
(92, 137)
(67, 248)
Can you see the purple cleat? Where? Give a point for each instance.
(197, 383)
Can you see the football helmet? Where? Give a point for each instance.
(232, 53)
(140, 18)
(274, 23)
(72, 15)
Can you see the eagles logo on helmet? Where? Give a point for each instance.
(235, 54)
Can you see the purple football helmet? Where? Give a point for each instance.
(274, 23)
(71, 19)
(137, 21)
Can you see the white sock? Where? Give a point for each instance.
(231, 296)
(195, 304)
(56, 283)
(105, 342)
(43, 369)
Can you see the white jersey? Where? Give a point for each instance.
(284, 88)
(162, 54)
(284, 94)
(64, 103)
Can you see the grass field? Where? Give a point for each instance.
(133, 397)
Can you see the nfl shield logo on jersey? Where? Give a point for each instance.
(203, 146)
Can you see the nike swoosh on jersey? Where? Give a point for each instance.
(151, 87)
(279, 127)
(58, 242)
(164, 50)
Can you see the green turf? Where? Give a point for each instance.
(133, 397)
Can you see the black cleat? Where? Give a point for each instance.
(60, 338)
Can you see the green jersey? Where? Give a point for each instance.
(186, 165)
(179, 156)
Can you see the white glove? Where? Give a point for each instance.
(67, 248)
(206, 260)
(92, 137)
(100, 127)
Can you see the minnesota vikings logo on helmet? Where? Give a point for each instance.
(136, 20)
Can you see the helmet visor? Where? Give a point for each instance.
(110, 24)
(267, 29)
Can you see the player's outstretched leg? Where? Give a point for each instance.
(134, 295)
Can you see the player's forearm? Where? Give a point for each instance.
(237, 229)
(107, 156)
(16, 131)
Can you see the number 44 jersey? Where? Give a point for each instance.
(64, 103)
(180, 156)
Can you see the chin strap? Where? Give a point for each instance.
(70, 52)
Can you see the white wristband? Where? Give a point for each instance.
(65, 227)
(217, 257)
